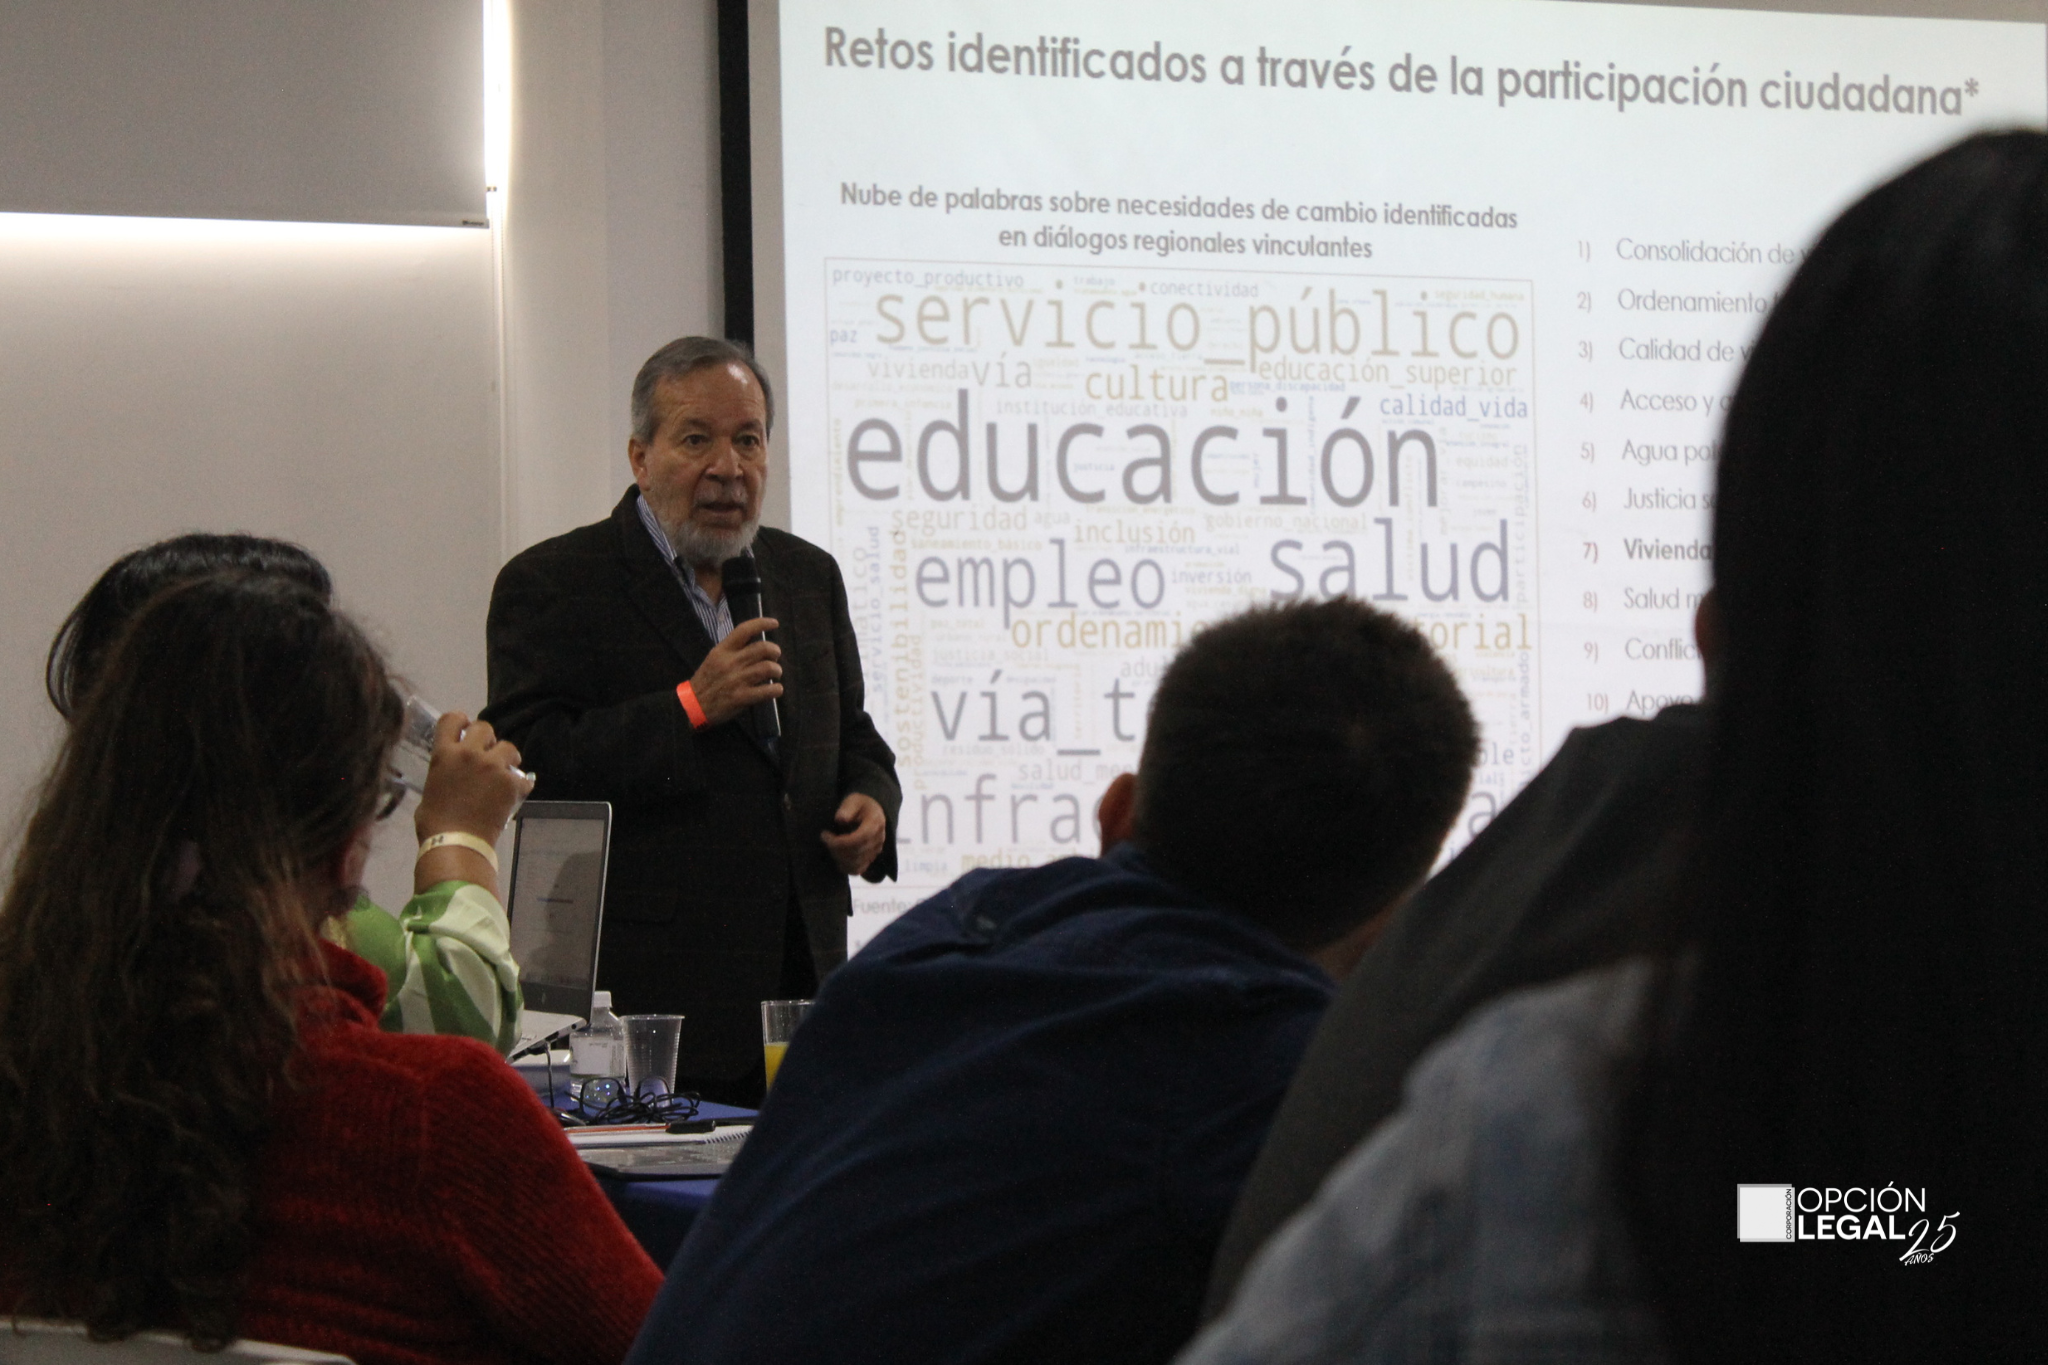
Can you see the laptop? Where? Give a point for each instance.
(556, 904)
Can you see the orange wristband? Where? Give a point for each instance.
(692, 708)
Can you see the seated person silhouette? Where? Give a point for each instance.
(1845, 981)
(1011, 1128)
(205, 1127)
(1560, 881)
(447, 954)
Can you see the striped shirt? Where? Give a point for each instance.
(715, 616)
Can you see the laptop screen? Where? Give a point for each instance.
(557, 901)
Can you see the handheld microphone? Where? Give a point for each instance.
(742, 582)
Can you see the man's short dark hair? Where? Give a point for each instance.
(687, 355)
(1302, 766)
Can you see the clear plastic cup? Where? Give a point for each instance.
(651, 1041)
(779, 1019)
(415, 744)
(415, 751)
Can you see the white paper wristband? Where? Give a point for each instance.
(456, 839)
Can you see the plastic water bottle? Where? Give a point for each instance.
(597, 1055)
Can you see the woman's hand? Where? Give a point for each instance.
(470, 789)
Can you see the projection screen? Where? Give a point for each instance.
(1099, 322)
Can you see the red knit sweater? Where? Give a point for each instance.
(417, 1206)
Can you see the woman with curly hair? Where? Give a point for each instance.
(201, 1124)
(447, 954)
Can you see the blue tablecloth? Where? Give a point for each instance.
(658, 1213)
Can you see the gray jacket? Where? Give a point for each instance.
(1477, 1223)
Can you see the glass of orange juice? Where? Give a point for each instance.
(779, 1019)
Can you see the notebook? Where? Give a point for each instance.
(640, 1154)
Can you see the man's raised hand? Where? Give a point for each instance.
(741, 670)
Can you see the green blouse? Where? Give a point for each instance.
(447, 957)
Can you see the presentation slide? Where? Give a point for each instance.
(1104, 321)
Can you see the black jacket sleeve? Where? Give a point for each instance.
(866, 762)
(584, 742)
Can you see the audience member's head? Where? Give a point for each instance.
(88, 632)
(1302, 765)
(1867, 890)
(201, 819)
(1707, 635)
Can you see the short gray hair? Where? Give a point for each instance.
(683, 356)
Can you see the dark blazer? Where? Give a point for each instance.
(1009, 1134)
(711, 837)
(1565, 879)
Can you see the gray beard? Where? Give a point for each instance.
(702, 549)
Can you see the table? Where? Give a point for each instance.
(659, 1213)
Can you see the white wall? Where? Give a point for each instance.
(611, 237)
(339, 385)
(331, 385)
(365, 112)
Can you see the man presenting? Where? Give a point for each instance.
(616, 667)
